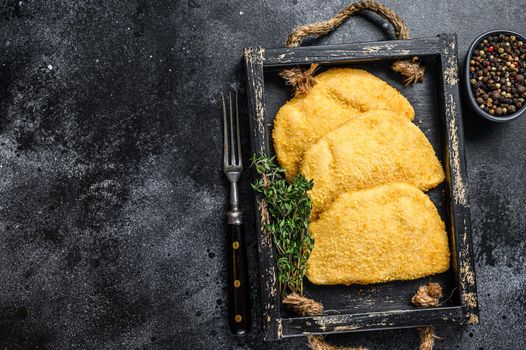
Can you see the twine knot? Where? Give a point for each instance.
(302, 305)
(308, 307)
(300, 80)
(410, 69)
(426, 296)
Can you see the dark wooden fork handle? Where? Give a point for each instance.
(238, 288)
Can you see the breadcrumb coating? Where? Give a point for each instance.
(373, 148)
(385, 233)
(338, 96)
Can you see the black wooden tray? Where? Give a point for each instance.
(437, 109)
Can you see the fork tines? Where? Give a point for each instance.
(231, 139)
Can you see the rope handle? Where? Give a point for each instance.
(302, 80)
(323, 28)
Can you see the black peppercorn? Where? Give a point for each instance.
(495, 94)
(496, 73)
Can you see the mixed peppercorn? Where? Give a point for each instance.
(497, 70)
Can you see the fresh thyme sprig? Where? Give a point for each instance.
(289, 210)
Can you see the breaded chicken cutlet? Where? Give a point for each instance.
(338, 96)
(385, 233)
(372, 148)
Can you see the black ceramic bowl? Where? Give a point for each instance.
(467, 85)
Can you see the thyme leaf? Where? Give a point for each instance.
(289, 210)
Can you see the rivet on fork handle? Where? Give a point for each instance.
(238, 286)
(239, 302)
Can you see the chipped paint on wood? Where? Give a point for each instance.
(367, 321)
(451, 75)
(280, 329)
(451, 71)
(473, 319)
(321, 324)
(264, 217)
(459, 189)
(351, 52)
(377, 48)
(254, 59)
(470, 299)
(345, 328)
(466, 273)
(460, 221)
(272, 283)
(255, 55)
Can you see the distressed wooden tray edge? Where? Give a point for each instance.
(444, 46)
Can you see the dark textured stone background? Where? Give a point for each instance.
(111, 194)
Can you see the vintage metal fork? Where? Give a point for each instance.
(239, 298)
